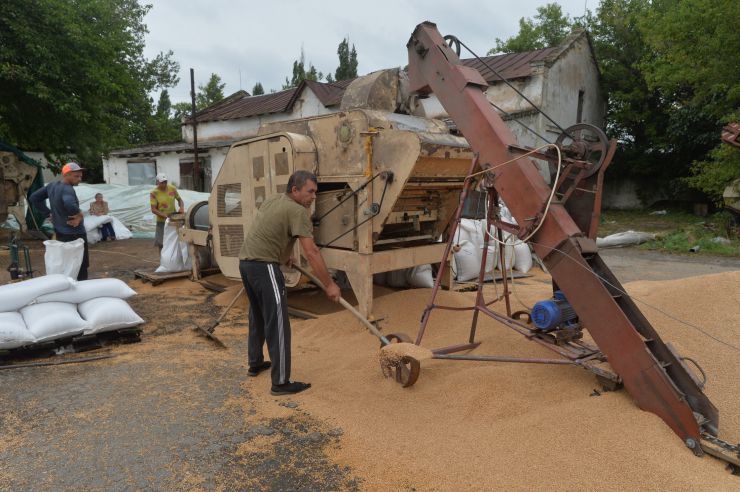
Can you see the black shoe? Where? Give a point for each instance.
(289, 388)
(253, 371)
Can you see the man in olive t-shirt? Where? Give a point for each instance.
(281, 219)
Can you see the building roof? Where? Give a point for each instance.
(509, 65)
(173, 146)
(242, 105)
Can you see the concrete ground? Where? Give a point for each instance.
(173, 413)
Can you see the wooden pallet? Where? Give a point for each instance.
(157, 278)
(78, 343)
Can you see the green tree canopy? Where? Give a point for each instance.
(73, 75)
(210, 93)
(347, 68)
(258, 90)
(548, 28)
(300, 73)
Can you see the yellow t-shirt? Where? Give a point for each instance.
(164, 201)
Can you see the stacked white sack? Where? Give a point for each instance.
(15, 296)
(53, 320)
(106, 314)
(13, 331)
(54, 306)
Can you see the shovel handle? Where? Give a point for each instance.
(346, 306)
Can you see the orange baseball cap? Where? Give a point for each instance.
(70, 167)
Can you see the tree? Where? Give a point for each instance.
(74, 78)
(300, 73)
(690, 67)
(347, 68)
(161, 125)
(258, 90)
(549, 28)
(210, 93)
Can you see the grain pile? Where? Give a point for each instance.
(484, 426)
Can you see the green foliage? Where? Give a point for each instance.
(347, 68)
(300, 73)
(715, 173)
(73, 75)
(211, 93)
(162, 126)
(258, 90)
(548, 28)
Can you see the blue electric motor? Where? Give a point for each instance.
(553, 313)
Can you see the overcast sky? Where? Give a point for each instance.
(248, 41)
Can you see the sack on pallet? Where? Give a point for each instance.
(421, 276)
(174, 257)
(491, 261)
(106, 314)
(85, 290)
(467, 261)
(13, 331)
(53, 320)
(64, 258)
(522, 257)
(15, 296)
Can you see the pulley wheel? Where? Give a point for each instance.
(406, 371)
(584, 142)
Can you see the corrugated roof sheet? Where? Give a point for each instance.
(509, 65)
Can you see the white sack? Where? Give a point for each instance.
(94, 221)
(522, 257)
(108, 313)
(13, 331)
(122, 232)
(15, 296)
(94, 236)
(467, 261)
(174, 256)
(52, 320)
(85, 290)
(421, 276)
(624, 239)
(64, 258)
(491, 260)
(508, 254)
(470, 230)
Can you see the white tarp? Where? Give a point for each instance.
(129, 204)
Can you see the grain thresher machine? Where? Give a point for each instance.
(391, 185)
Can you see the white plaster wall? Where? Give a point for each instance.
(574, 71)
(115, 169)
(507, 98)
(48, 175)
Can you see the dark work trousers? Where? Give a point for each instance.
(268, 317)
(67, 238)
(107, 231)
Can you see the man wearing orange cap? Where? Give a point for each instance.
(65, 210)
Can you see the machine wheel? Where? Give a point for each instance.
(586, 143)
(407, 370)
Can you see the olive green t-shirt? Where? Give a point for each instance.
(279, 221)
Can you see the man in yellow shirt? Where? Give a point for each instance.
(162, 201)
